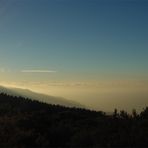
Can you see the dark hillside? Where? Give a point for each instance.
(28, 123)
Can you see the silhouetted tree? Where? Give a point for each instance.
(115, 114)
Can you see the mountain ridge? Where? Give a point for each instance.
(26, 93)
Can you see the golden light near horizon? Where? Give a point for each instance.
(105, 95)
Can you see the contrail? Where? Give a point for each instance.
(38, 71)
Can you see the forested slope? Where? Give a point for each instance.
(28, 123)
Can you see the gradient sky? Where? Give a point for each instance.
(73, 41)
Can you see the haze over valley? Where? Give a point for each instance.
(104, 96)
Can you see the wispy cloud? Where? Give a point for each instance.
(2, 70)
(38, 71)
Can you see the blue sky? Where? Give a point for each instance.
(91, 37)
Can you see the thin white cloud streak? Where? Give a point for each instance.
(38, 71)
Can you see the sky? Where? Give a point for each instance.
(78, 49)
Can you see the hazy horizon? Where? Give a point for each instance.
(90, 51)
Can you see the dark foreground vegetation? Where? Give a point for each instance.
(25, 123)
